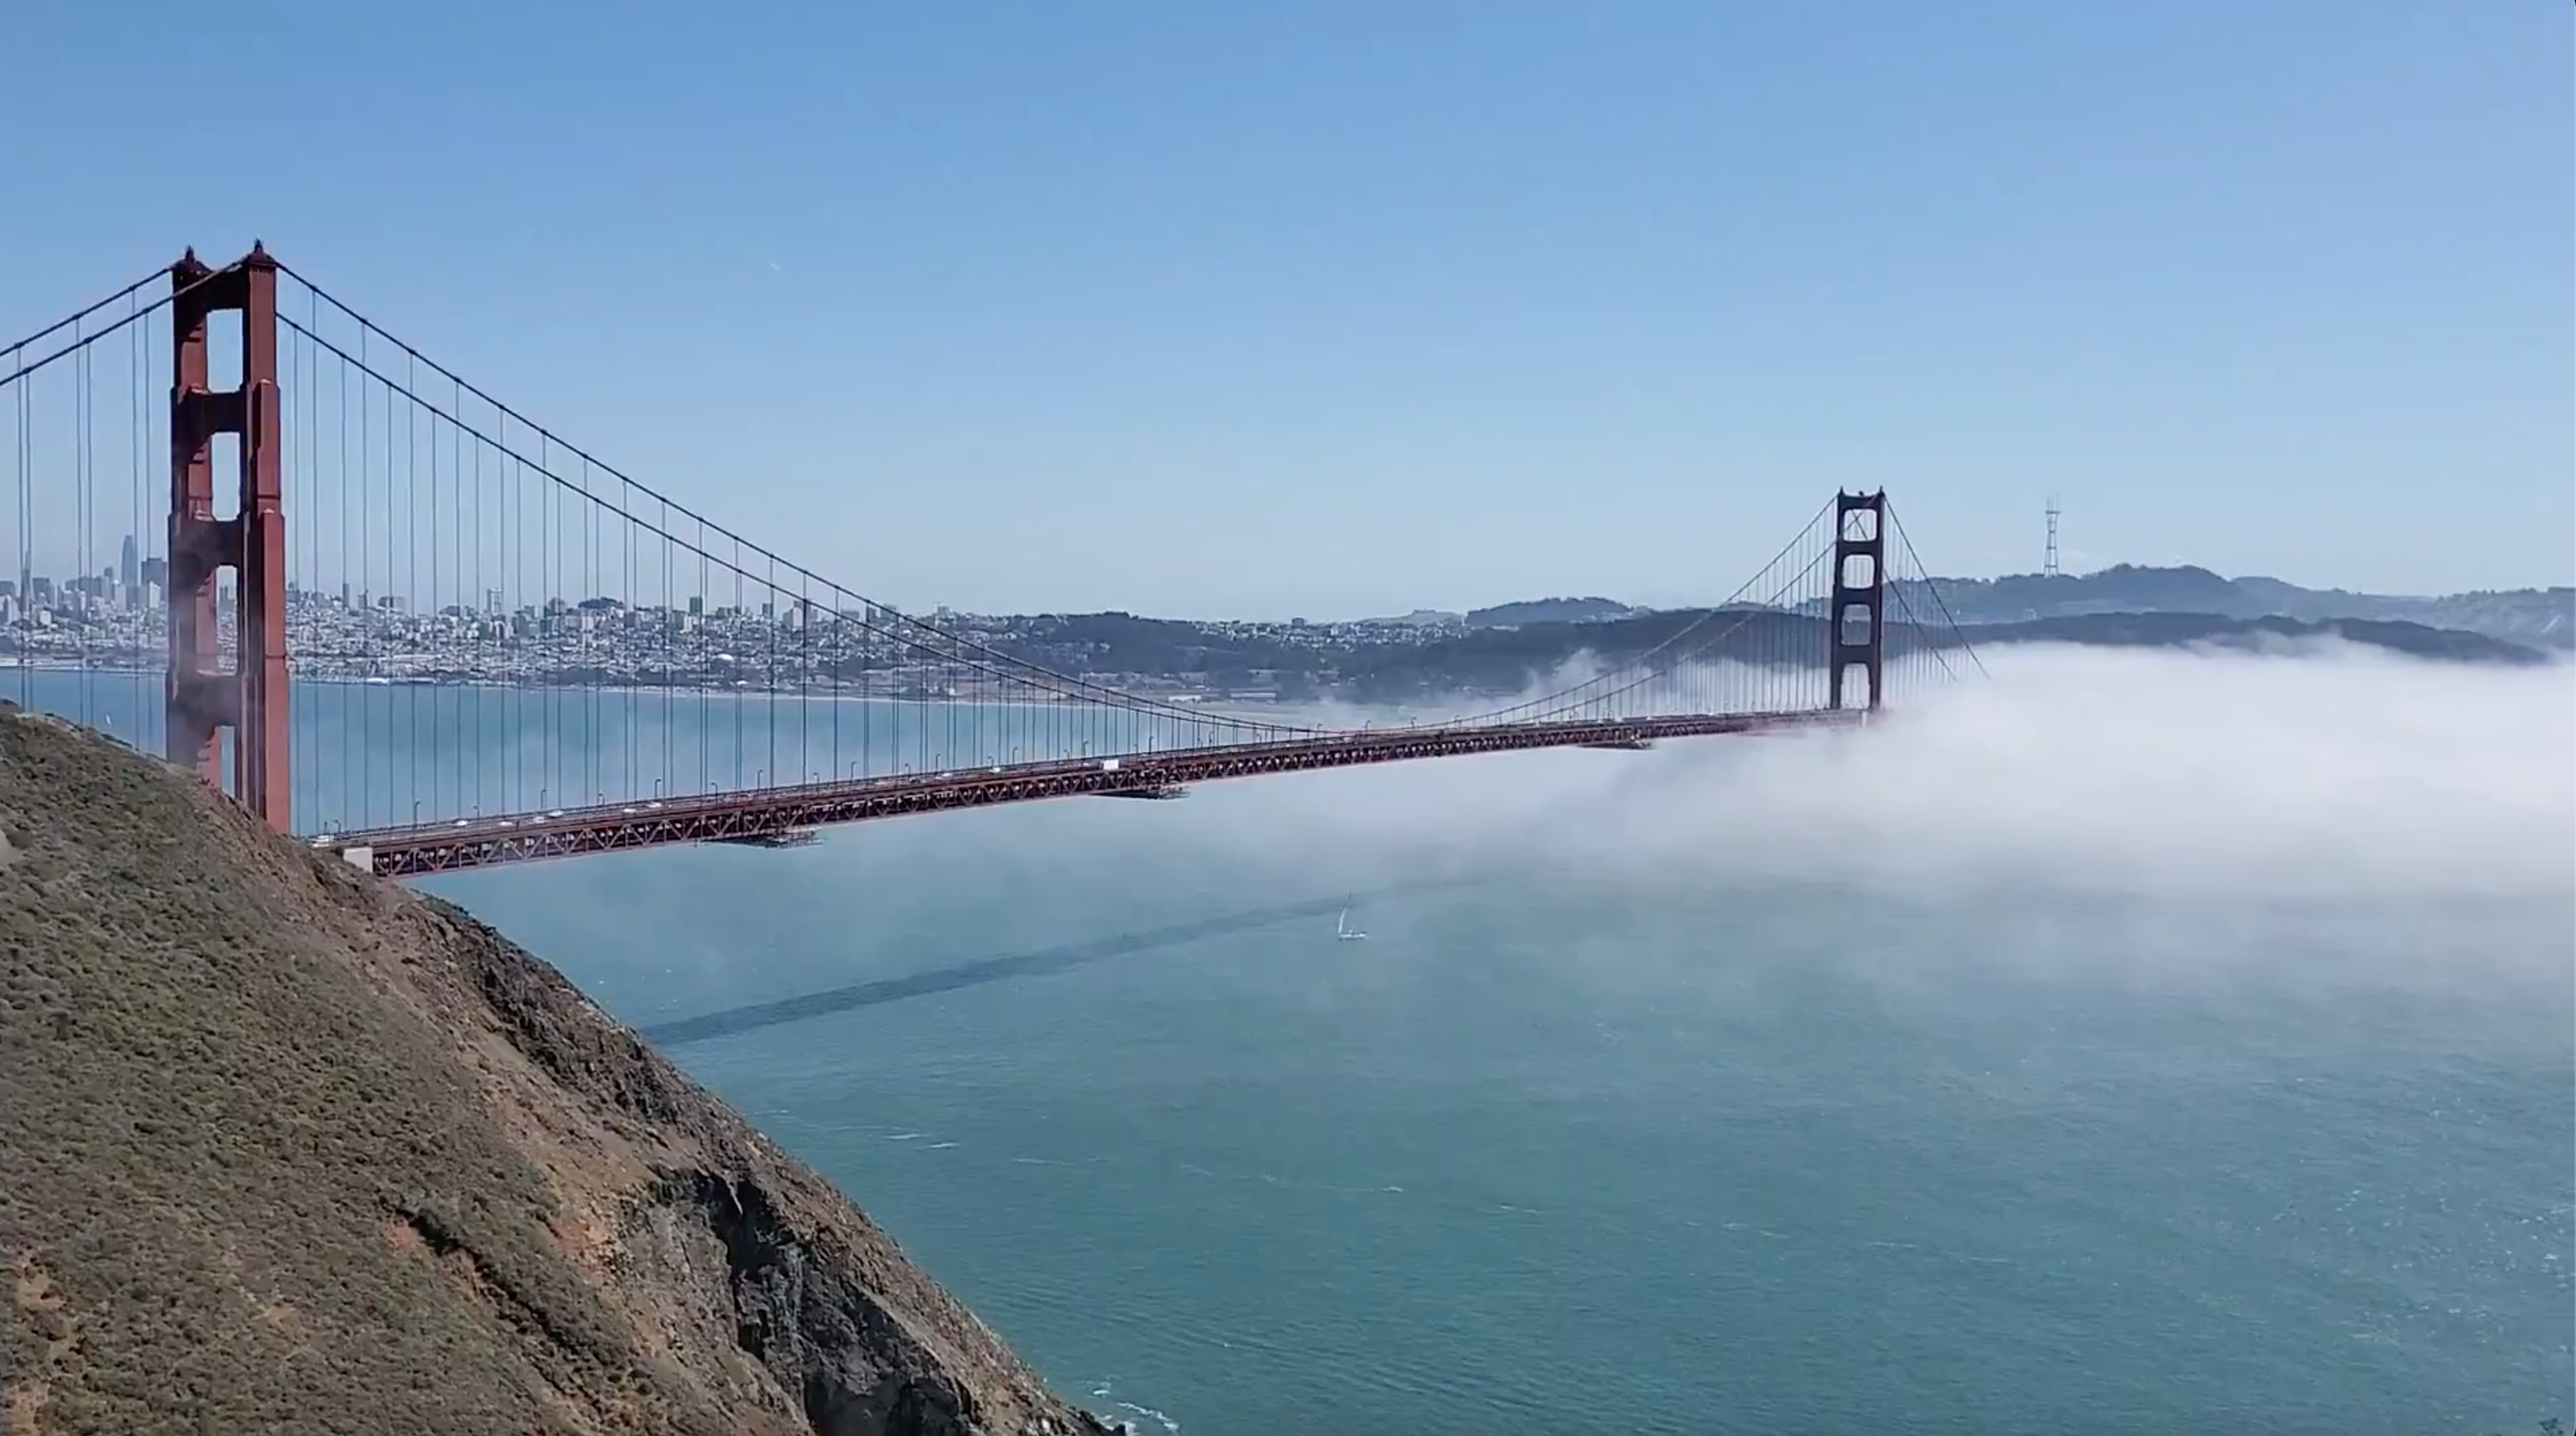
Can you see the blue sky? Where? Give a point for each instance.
(1346, 308)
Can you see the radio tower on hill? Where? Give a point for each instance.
(2051, 567)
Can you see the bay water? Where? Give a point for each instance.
(1659, 1100)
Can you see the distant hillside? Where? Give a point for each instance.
(1547, 610)
(1419, 618)
(290, 1149)
(1387, 663)
(1505, 660)
(2174, 630)
(2538, 617)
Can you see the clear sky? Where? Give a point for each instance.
(1337, 309)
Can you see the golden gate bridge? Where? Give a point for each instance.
(417, 628)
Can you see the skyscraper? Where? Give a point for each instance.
(129, 565)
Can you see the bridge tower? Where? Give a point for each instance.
(1858, 633)
(201, 696)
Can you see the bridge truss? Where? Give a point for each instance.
(255, 532)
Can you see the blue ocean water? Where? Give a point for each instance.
(1639, 1145)
(1680, 1157)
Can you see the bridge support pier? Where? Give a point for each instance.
(201, 696)
(1858, 630)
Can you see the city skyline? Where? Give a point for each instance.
(138, 573)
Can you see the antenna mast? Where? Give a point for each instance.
(2051, 568)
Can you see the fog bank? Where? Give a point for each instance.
(2341, 771)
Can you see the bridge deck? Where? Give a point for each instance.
(766, 814)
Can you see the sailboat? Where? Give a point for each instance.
(1343, 931)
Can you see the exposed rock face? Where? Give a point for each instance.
(286, 1148)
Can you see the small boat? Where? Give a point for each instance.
(1344, 932)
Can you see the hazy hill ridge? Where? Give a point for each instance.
(2541, 617)
(1506, 646)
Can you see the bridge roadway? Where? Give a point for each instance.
(773, 814)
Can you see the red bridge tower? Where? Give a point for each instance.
(202, 697)
(1859, 629)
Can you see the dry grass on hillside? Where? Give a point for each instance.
(284, 1148)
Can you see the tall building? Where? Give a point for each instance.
(129, 565)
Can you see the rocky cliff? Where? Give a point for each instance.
(286, 1148)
